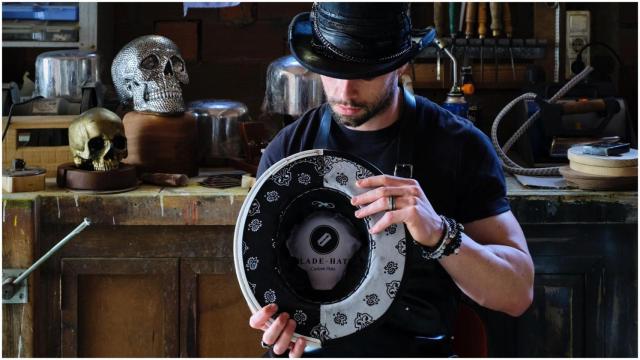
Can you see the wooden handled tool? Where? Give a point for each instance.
(584, 106)
(496, 30)
(460, 19)
(470, 19)
(496, 18)
(439, 19)
(162, 179)
(453, 18)
(506, 12)
(508, 30)
(482, 33)
(482, 20)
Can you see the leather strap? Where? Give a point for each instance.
(404, 156)
(322, 137)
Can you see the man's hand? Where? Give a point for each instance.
(279, 333)
(411, 207)
(493, 267)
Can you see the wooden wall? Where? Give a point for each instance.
(235, 45)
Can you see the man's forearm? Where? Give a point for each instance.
(498, 277)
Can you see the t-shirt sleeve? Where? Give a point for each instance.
(274, 152)
(483, 190)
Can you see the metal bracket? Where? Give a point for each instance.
(14, 286)
(14, 294)
(403, 170)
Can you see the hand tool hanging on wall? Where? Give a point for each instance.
(439, 22)
(453, 22)
(508, 30)
(460, 19)
(460, 29)
(469, 20)
(496, 30)
(482, 33)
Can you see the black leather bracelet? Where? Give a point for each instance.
(448, 244)
(453, 247)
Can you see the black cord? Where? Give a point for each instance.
(578, 64)
(4, 131)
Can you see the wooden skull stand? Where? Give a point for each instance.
(161, 143)
(121, 179)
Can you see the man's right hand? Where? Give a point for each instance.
(279, 333)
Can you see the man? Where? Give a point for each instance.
(361, 49)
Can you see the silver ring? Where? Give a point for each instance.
(392, 203)
(265, 345)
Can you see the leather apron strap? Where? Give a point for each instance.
(404, 157)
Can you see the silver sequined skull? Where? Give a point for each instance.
(150, 70)
(97, 141)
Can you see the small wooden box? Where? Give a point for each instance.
(48, 157)
(23, 183)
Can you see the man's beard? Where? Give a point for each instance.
(370, 110)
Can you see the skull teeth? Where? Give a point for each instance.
(165, 95)
(105, 165)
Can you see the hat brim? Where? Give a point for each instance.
(261, 261)
(300, 36)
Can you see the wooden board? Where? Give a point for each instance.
(210, 297)
(164, 144)
(19, 231)
(119, 307)
(627, 159)
(604, 170)
(594, 182)
(13, 184)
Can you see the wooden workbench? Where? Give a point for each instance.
(153, 275)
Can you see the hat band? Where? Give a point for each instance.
(326, 45)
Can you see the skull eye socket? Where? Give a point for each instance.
(178, 64)
(96, 144)
(119, 142)
(150, 62)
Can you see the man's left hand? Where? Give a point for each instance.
(411, 207)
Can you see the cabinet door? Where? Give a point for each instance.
(214, 317)
(119, 307)
(565, 319)
(585, 295)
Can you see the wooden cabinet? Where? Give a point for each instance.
(153, 276)
(144, 291)
(585, 295)
(211, 297)
(119, 307)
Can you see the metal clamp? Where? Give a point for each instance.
(14, 284)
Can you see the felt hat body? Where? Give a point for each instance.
(355, 40)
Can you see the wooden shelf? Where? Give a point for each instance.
(424, 76)
(88, 33)
(521, 49)
(40, 44)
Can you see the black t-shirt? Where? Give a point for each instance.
(459, 172)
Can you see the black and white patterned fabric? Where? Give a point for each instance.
(297, 243)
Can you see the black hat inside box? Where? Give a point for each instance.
(298, 244)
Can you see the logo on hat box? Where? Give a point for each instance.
(324, 239)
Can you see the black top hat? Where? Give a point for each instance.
(355, 40)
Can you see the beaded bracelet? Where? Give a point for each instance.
(448, 244)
